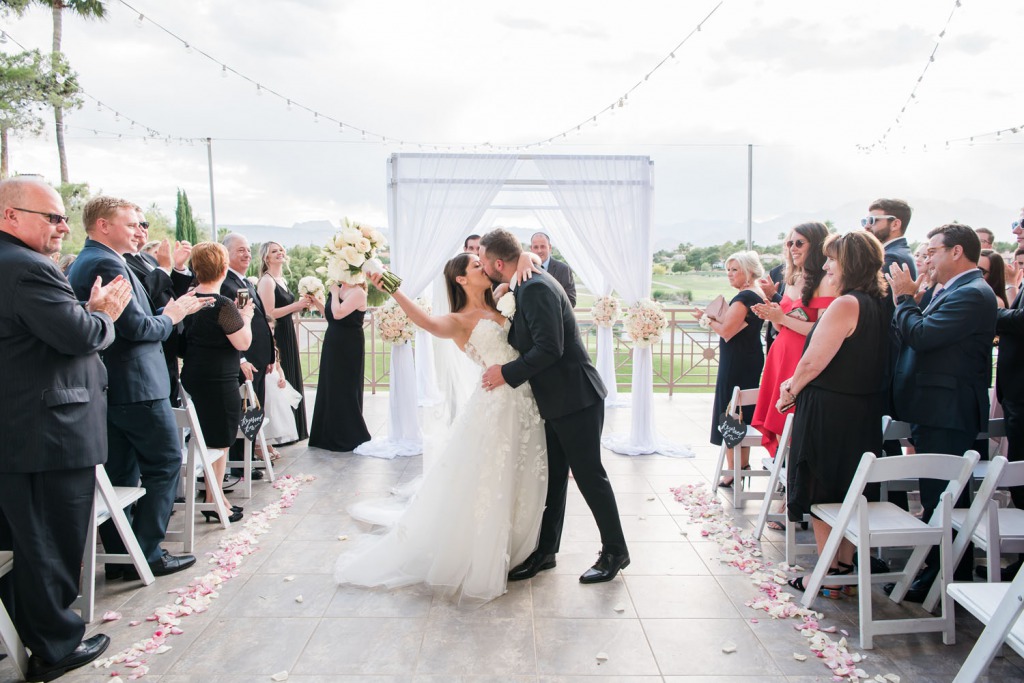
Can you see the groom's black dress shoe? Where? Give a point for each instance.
(87, 650)
(606, 567)
(535, 563)
(167, 564)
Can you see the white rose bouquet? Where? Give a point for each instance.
(646, 322)
(606, 311)
(393, 324)
(314, 287)
(352, 253)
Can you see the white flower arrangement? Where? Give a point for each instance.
(705, 322)
(646, 322)
(253, 279)
(393, 324)
(424, 303)
(507, 305)
(352, 253)
(606, 311)
(313, 286)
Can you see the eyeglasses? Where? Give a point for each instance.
(144, 225)
(871, 220)
(795, 243)
(52, 218)
(1016, 224)
(934, 250)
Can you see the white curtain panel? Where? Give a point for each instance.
(607, 202)
(433, 199)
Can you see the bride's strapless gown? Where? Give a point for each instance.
(478, 509)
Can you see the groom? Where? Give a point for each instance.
(570, 397)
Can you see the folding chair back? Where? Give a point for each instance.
(8, 634)
(740, 398)
(999, 607)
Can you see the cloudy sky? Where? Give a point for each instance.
(804, 81)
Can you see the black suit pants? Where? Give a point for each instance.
(574, 444)
(143, 445)
(44, 519)
(953, 442)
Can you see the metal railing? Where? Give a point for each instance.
(685, 359)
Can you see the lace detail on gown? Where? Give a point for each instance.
(478, 509)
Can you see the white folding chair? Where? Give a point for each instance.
(109, 503)
(740, 398)
(247, 462)
(8, 634)
(197, 458)
(877, 525)
(894, 430)
(776, 491)
(998, 606)
(991, 528)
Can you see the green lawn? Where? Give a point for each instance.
(703, 286)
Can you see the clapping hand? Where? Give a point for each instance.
(182, 253)
(900, 281)
(771, 312)
(768, 287)
(185, 305)
(110, 298)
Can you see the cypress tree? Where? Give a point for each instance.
(184, 224)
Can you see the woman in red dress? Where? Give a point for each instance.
(805, 296)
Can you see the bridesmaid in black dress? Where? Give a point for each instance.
(740, 354)
(281, 305)
(338, 413)
(213, 339)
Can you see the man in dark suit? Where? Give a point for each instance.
(540, 244)
(258, 359)
(1010, 382)
(142, 433)
(164, 279)
(53, 412)
(570, 397)
(944, 368)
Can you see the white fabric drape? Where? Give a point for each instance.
(607, 203)
(432, 201)
(427, 392)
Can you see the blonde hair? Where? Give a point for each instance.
(749, 262)
(103, 207)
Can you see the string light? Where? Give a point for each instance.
(912, 98)
(671, 58)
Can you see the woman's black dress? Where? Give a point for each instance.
(288, 346)
(740, 362)
(839, 413)
(338, 412)
(210, 370)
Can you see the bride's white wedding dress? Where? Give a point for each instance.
(478, 509)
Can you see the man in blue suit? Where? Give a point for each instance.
(141, 430)
(944, 368)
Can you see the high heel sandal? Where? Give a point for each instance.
(830, 592)
(722, 483)
(213, 518)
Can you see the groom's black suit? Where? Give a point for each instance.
(570, 397)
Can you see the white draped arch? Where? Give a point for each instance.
(598, 210)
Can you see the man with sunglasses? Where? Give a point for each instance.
(1010, 381)
(53, 415)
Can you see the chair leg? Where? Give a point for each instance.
(86, 602)
(946, 575)
(15, 648)
(718, 469)
(865, 608)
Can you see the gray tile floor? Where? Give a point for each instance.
(665, 619)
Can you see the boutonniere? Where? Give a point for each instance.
(507, 305)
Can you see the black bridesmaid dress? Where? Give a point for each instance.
(338, 412)
(288, 346)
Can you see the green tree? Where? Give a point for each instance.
(75, 195)
(86, 9)
(159, 224)
(184, 224)
(22, 96)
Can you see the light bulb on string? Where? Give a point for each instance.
(117, 117)
(289, 105)
(223, 71)
(362, 134)
(188, 48)
(3, 38)
(316, 118)
(341, 127)
(259, 90)
(99, 106)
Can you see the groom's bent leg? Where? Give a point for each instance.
(579, 438)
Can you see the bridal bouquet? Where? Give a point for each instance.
(606, 311)
(645, 322)
(312, 286)
(352, 254)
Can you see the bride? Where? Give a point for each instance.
(478, 510)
